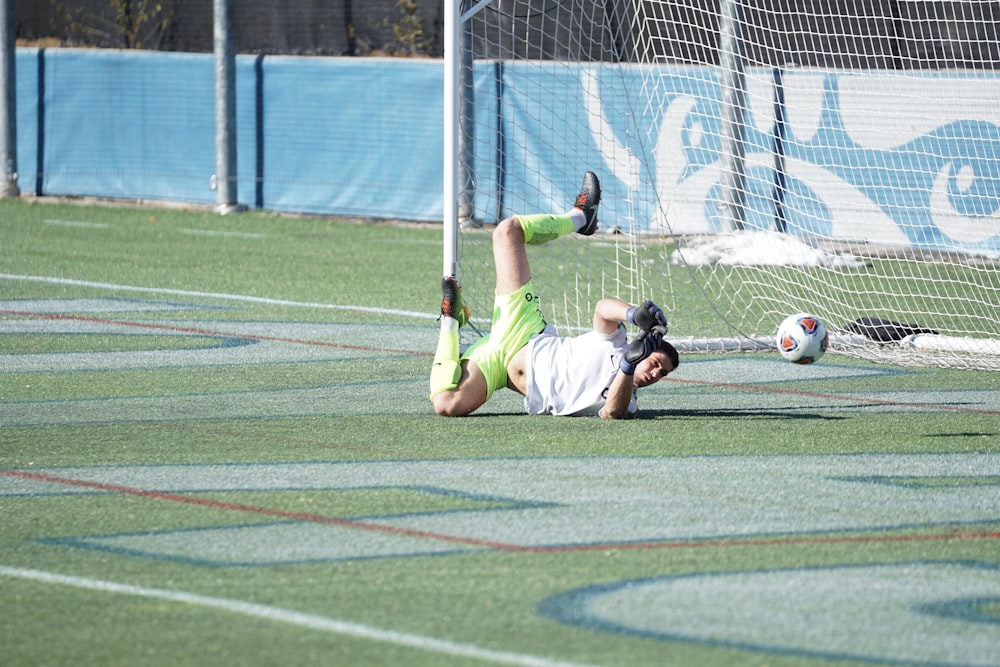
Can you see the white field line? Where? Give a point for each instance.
(291, 617)
(77, 223)
(214, 232)
(215, 295)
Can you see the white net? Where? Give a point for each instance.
(757, 159)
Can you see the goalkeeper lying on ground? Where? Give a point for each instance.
(592, 374)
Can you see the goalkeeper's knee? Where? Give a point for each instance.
(445, 376)
(447, 368)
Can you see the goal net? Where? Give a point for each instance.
(757, 159)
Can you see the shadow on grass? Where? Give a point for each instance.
(736, 413)
(686, 413)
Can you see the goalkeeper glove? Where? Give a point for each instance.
(647, 316)
(640, 348)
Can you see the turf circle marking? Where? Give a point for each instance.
(927, 613)
(291, 617)
(211, 295)
(243, 332)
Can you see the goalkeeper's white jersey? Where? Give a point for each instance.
(571, 376)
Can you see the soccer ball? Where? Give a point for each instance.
(802, 338)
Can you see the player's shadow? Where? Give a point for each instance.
(735, 413)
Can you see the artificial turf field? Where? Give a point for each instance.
(216, 448)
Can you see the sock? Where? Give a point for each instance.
(542, 228)
(447, 368)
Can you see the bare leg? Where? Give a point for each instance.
(469, 395)
(512, 234)
(510, 257)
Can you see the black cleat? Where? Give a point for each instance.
(451, 302)
(588, 200)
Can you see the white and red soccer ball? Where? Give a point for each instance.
(802, 338)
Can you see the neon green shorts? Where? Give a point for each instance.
(516, 318)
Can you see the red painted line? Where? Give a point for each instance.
(206, 332)
(491, 544)
(776, 541)
(254, 509)
(835, 397)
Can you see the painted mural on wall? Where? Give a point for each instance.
(903, 160)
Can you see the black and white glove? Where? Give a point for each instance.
(647, 316)
(640, 348)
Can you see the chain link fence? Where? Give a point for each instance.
(882, 34)
(292, 27)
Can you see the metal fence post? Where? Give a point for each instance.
(8, 102)
(732, 207)
(225, 110)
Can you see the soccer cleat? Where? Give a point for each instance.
(451, 303)
(587, 201)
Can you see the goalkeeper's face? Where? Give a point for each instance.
(652, 369)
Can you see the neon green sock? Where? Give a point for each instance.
(447, 368)
(542, 228)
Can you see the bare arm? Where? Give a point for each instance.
(619, 397)
(608, 313)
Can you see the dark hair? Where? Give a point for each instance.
(671, 352)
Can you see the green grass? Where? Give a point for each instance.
(292, 341)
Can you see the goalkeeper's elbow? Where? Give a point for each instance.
(613, 414)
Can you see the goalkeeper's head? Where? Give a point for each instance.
(657, 365)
